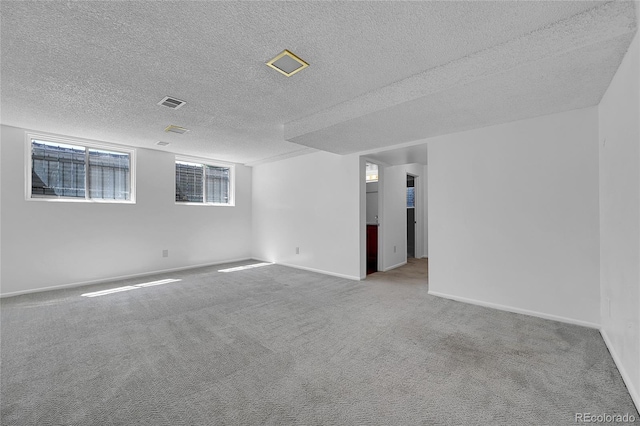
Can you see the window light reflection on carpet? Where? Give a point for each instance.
(130, 287)
(242, 268)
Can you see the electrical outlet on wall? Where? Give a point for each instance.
(297, 250)
(165, 253)
(394, 249)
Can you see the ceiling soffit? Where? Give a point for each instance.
(330, 129)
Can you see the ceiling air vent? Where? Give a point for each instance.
(287, 63)
(172, 103)
(176, 129)
(160, 143)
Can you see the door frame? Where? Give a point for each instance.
(417, 242)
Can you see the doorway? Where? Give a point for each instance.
(372, 215)
(411, 216)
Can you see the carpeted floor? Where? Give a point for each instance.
(279, 346)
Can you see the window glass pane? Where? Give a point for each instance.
(371, 172)
(109, 174)
(58, 170)
(189, 182)
(411, 202)
(217, 184)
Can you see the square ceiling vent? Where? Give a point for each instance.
(287, 63)
(172, 103)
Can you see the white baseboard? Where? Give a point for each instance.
(320, 271)
(516, 310)
(122, 277)
(635, 395)
(394, 266)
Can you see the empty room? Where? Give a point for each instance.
(319, 212)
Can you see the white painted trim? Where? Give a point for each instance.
(204, 204)
(635, 395)
(320, 271)
(381, 220)
(516, 310)
(394, 266)
(122, 277)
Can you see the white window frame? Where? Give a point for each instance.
(213, 163)
(89, 144)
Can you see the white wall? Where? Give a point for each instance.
(513, 216)
(424, 180)
(313, 202)
(393, 228)
(620, 218)
(49, 244)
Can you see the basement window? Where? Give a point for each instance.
(204, 183)
(67, 170)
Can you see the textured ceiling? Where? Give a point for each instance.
(382, 73)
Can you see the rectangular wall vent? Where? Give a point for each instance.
(172, 103)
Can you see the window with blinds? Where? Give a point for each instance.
(189, 184)
(57, 170)
(109, 176)
(203, 183)
(411, 197)
(66, 171)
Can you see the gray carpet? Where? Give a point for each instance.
(279, 346)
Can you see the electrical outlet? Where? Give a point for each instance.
(165, 253)
(297, 250)
(394, 249)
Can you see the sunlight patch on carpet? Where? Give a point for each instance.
(242, 268)
(160, 282)
(110, 291)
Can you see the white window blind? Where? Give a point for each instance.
(217, 184)
(189, 183)
(60, 170)
(203, 183)
(109, 176)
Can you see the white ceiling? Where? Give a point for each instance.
(400, 155)
(381, 73)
